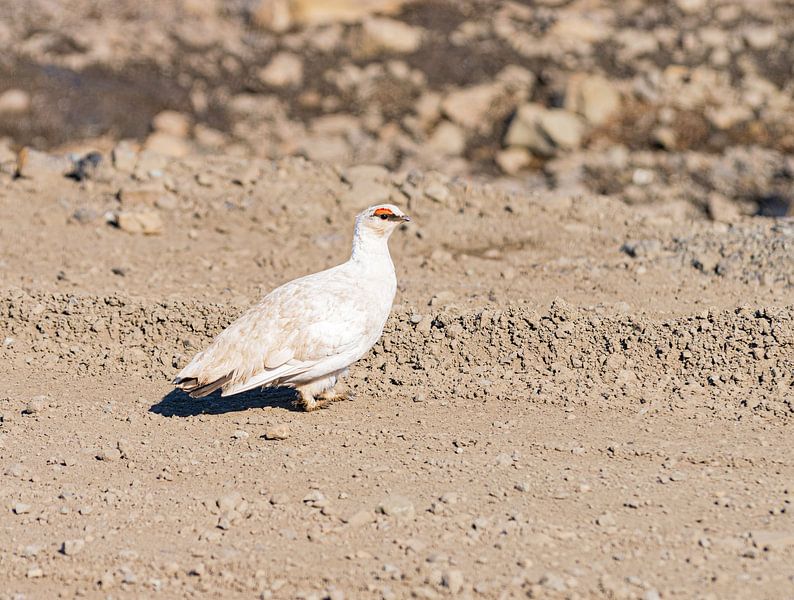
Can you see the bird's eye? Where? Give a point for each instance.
(384, 217)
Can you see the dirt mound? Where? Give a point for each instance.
(567, 355)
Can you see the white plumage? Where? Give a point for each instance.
(306, 333)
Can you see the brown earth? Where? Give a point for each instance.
(573, 398)
(585, 390)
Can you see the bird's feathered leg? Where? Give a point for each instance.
(337, 394)
(311, 395)
(308, 402)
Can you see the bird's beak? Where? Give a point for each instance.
(402, 218)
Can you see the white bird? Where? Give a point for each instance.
(306, 333)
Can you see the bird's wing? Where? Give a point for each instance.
(287, 333)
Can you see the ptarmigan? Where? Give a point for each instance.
(306, 333)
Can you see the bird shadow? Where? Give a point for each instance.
(177, 403)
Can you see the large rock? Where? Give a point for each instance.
(579, 29)
(172, 122)
(513, 160)
(761, 38)
(313, 12)
(14, 101)
(593, 97)
(145, 221)
(125, 156)
(721, 209)
(428, 108)
(524, 131)
(545, 131)
(284, 70)
(208, 137)
(562, 127)
(728, 116)
(166, 144)
(634, 43)
(32, 164)
(470, 106)
(149, 162)
(691, 7)
(517, 77)
(388, 35)
(447, 139)
(274, 15)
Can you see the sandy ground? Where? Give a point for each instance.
(586, 387)
(546, 413)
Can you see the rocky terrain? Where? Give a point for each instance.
(683, 100)
(586, 388)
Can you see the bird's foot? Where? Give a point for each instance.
(331, 396)
(310, 403)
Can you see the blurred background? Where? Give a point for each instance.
(681, 101)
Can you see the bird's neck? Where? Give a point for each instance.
(370, 247)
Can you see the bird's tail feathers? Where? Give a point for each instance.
(195, 389)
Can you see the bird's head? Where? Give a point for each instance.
(381, 219)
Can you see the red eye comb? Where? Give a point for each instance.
(383, 211)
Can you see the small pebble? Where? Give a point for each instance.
(606, 520)
(397, 506)
(229, 502)
(84, 215)
(276, 499)
(437, 192)
(453, 580)
(553, 582)
(360, 518)
(128, 576)
(15, 470)
(124, 448)
(225, 522)
(72, 547)
(35, 406)
(106, 580)
(449, 498)
(278, 432)
(109, 454)
(21, 508)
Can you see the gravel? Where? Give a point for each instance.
(578, 343)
